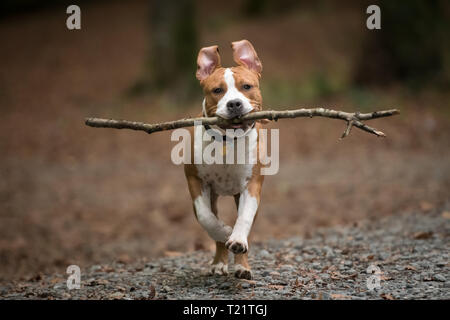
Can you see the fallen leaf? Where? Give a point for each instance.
(350, 276)
(446, 214)
(289, 257)
(36, 277)
(385, 278)
(426, 206)
(336, 275)
(275, 286)
(108, 269)
(423, 235)
(409, 267)
(332, 268)
(116, 295)
(387, 296)
(56, 280)
(172, 253)
(102, 281)
(124, 258)
(152, 292)
(66, 295)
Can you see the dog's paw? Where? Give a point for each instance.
(219, 268)
(236, 245)
(242, 273)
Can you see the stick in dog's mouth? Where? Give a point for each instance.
(245, 125)
(353, 119)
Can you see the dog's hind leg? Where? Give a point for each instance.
(220, 263)
(241, 266)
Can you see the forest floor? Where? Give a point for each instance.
(71, 194)
(410, 251)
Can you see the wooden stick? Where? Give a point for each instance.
(354, 119)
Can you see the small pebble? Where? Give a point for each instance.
(225, 285)
(245, 285)
(316, 265)
(439, 277)
(348, 263)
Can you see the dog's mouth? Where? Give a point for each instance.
(245, 125)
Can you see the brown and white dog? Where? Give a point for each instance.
(229, 93)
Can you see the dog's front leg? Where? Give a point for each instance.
(215, 227)
(248, 206)
(201, 197)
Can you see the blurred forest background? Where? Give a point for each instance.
(70, 194)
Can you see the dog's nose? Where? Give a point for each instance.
(234, 106)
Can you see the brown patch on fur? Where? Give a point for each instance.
(221, 253)
(243, 76)
(242, 259)
(215, 80)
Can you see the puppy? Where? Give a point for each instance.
(228, 93)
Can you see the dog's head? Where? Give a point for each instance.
(230, 92)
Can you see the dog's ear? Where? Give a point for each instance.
(245, 55)
(207, 61)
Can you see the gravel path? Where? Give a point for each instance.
(411, 250)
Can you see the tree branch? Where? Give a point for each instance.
(353, 119)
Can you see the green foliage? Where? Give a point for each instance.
(412, 46)
(317, 85)
(173, 48)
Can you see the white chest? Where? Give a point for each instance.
(225, 179)
(229, 179)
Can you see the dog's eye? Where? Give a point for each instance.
(247, 87)
(217, 90)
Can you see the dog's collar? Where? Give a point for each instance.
(224, 137)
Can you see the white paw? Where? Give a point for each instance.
(219, 269)
(237, 244)
(242, 273)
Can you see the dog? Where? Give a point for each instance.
(228, 93)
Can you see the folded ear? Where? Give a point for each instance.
(245, 55)
(207, 61)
